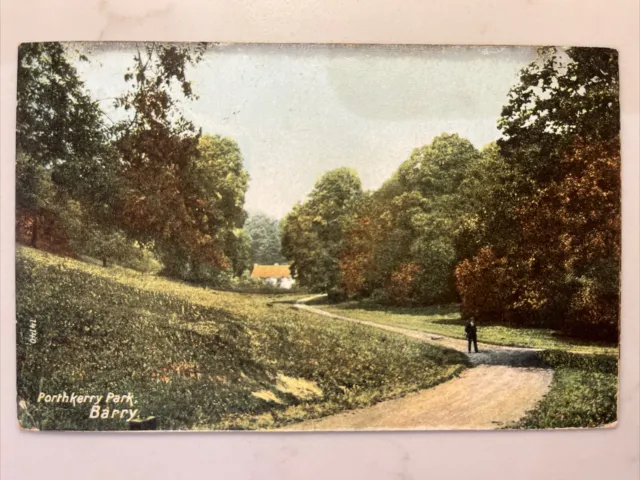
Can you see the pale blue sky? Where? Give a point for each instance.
(297, 111)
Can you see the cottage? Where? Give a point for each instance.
(276, 275)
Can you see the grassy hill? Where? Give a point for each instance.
(194, 357)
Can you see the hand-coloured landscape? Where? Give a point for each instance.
(316, 237)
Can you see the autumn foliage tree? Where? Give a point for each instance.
(484, 285)
(572, 228)
(182, 193)
(554, 223)
(357, 266)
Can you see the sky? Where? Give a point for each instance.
(298, 111)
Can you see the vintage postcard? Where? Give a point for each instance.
(317, 237)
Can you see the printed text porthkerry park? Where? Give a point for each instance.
(97, 410)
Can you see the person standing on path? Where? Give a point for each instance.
(472, 335)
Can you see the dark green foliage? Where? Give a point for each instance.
(263, 232)
(62, 146)
(51, 98)
(241, 254)
(313, 232)
(560, 97)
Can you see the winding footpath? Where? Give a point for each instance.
(502, 387)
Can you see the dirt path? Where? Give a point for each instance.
(485, 397)
(489, 354)
(493, 394)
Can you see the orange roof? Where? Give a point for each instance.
(271, 271)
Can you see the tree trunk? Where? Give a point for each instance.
(104, 261)
(34, 231)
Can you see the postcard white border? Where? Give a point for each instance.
(524, 454)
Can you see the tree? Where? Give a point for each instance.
(61, 139)
(416, 215)
(312, 233)
(52, 99)
(241, 255)
(486, 287)
(35, 196)
(555, 224)
(483, 194)
(358, 270)
(572, 230)
(264, 235)
(560, 97)
(183, 193)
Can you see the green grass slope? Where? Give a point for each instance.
(196, 358)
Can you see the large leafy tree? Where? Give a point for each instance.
(561, 97)
(313, 232)
(183, 193)
(413, 222)
(482, 197)
(57, 122)
(554, 228)
(61, 140)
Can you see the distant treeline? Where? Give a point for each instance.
(525, 231)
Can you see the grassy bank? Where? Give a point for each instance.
(446, 320)
(196, 358)
(583, 392)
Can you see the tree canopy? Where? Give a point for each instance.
(551, 226)
(525, 230)
(264, 236)
(312, 232)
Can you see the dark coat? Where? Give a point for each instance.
(471, 331)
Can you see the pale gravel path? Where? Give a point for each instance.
(491, 395)
(482, 398)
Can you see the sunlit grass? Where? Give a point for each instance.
(446, 320)
(197, 358)
(583, 393)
